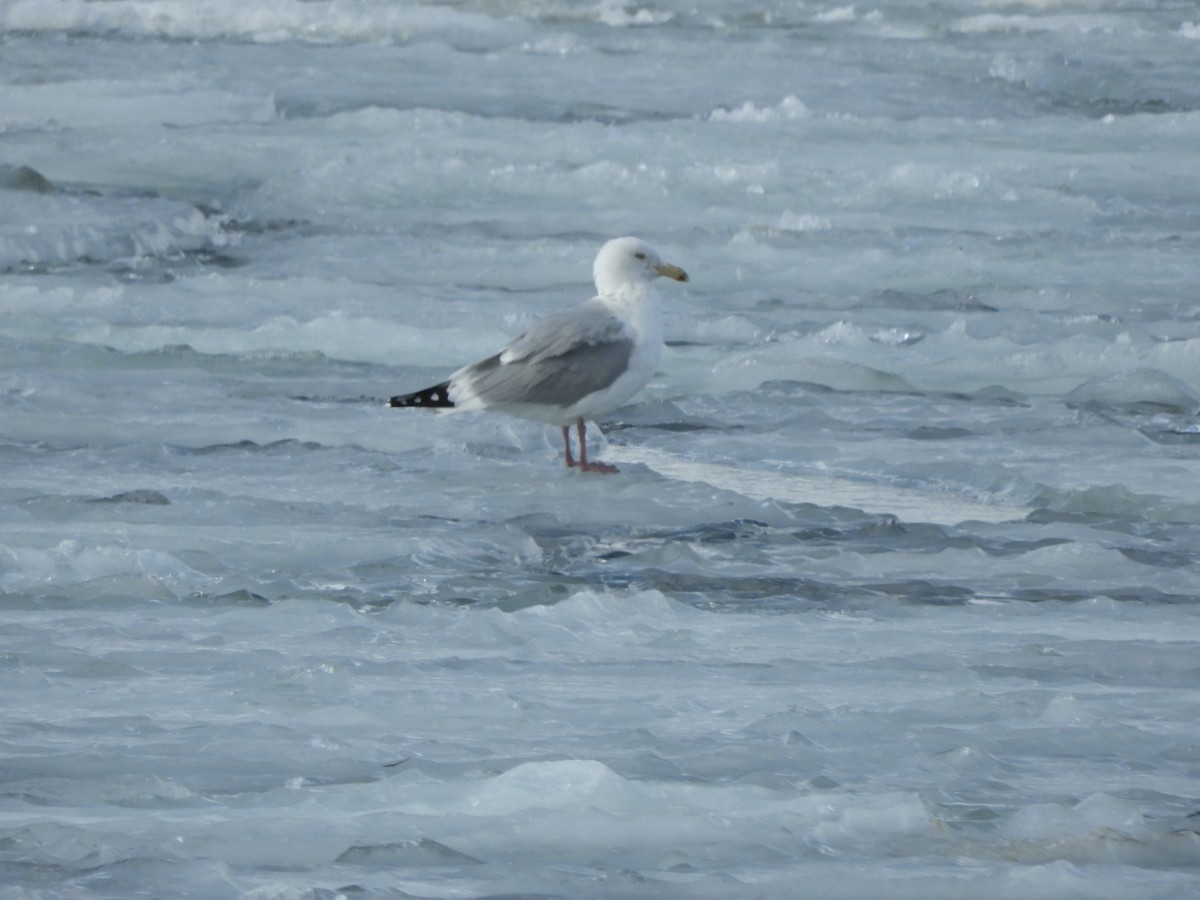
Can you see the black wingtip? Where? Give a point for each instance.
(436, 397)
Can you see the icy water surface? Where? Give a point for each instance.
(894, 596)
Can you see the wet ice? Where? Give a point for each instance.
(895, 591)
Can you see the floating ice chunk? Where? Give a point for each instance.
(837, 14)
(138, 496)
(730, 329)
(784, 361)
(1042, 821)
(24, 178)
(898, 337)
(51, 843)
(421, 852)
(924, 179)
(554, 45)
(790, 221)
(1065, 709)
(790, 108)
(999, 23)
(617, 14)
(74, 564)
(559, 784)
(138, 791)
(971, 758)
(1142, 387)
(1113, 500)
(585, 615)
(52, 229)
(872, 818)
(1008, 68)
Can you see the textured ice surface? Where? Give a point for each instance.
(896, 594)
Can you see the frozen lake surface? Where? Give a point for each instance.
(896, 594)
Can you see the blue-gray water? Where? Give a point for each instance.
(895, 595)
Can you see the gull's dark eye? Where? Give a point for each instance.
(639, 255)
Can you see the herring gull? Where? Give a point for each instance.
(577, 364)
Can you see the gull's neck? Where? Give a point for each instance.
(629, 292)
(640, 306)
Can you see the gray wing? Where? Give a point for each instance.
(557, 362)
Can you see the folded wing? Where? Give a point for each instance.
(558, 362)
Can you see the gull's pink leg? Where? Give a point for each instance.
(584, 465)
(567, 446)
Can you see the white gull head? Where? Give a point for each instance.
(630, 262)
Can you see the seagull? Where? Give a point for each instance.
(577, 364)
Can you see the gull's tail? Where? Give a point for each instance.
(436, 397)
